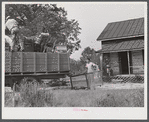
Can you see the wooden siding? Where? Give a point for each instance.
(137, 62)
(27, 62)
(106, 61)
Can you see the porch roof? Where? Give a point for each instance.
(123, 46)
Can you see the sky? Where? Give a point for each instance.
(94, 16)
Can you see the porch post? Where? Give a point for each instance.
(101, 67)
(128, 61)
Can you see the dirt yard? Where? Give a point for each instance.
(121, 86)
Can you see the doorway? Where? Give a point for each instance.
(123, 63)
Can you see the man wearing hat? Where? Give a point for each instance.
(12, 25)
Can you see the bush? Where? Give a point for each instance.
(34, 95)
(8, 99)
(30, 94)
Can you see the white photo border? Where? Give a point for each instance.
(130, 113)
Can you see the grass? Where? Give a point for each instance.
(99, 98)
(31, 95)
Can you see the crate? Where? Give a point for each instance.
(28, 47)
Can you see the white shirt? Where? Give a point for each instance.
(8, 40)
(11, 23)
(91, 66)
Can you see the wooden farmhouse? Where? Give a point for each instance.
(123, 47)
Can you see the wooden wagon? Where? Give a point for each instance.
(35, 65)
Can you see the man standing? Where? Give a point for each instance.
(12, 25)
(91, 68)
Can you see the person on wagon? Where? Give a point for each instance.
(12, 26)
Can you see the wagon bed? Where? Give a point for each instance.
(36, 65)
(36, 62)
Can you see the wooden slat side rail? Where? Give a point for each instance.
(41, 62)
(58, 60)
(16, 62)
(10, 62)
(25, 62)
(64, 63)
(46, 62)
(21, 68)
(68, 61)
(34, 62)
(28, 64)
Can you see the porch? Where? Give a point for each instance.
(124, 62)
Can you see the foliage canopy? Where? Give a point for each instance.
(47, 18)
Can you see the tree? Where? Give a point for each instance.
(73, 66)
(47, 18)
(77, 66)
(91, 54)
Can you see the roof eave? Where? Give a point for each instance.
(120, 38)
(121, 50)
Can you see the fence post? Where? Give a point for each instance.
(87, 81)
(128, 62)
(13, 98)
(71, 82)
(101, 68)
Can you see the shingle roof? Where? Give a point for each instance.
(122, 29)
(123, 45)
